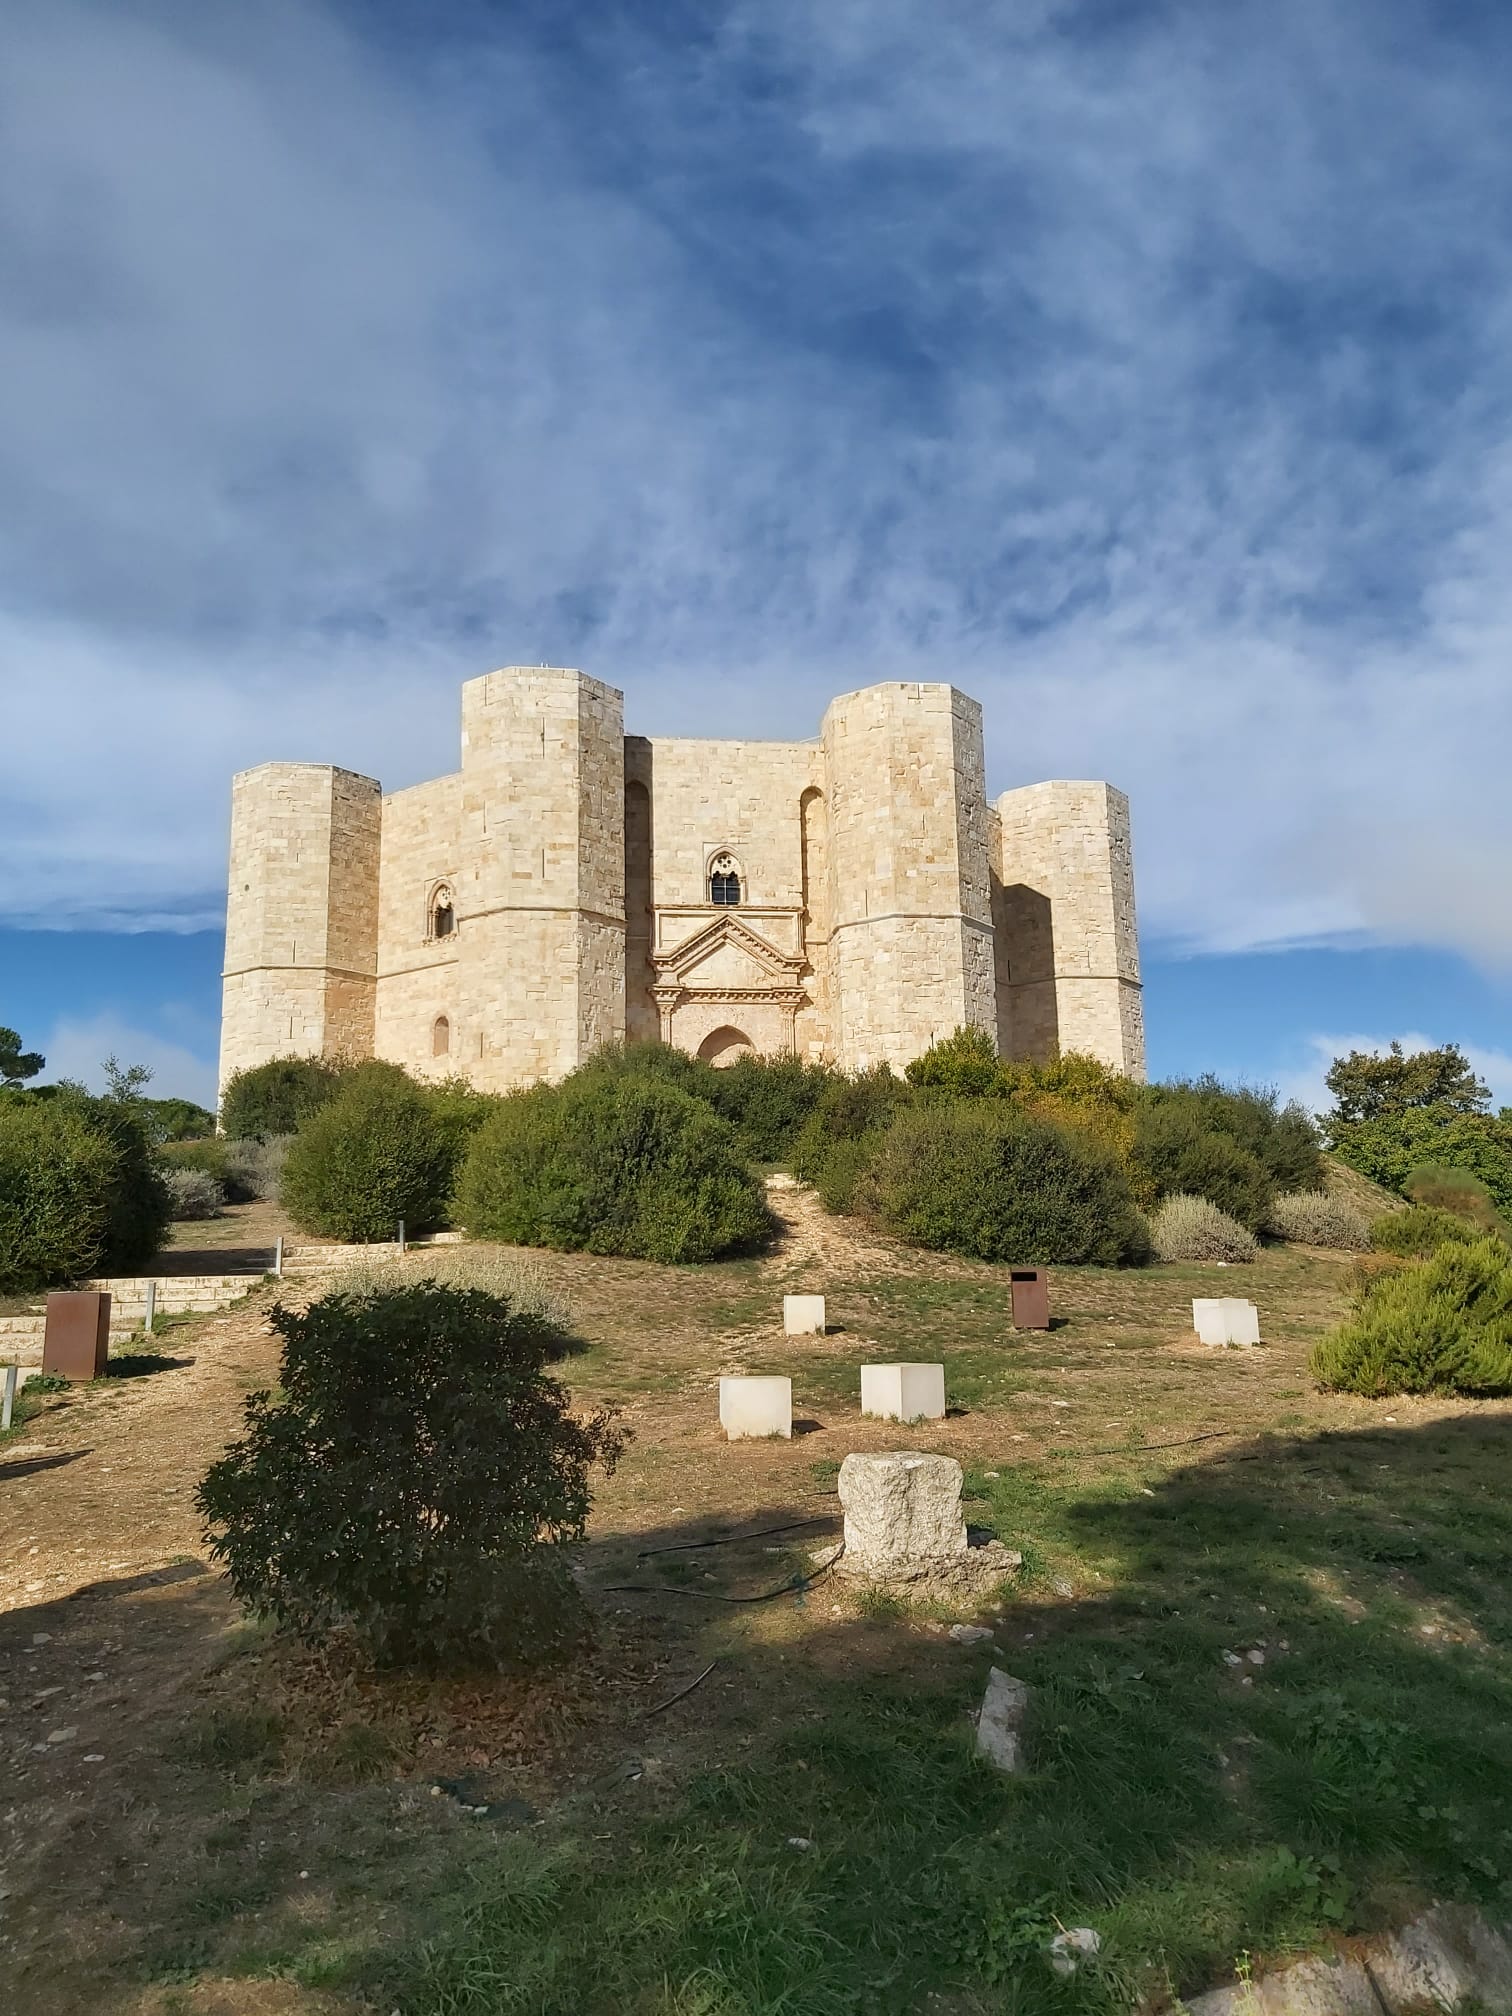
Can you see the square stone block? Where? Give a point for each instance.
(903, 1392)
(803, 1315)
(1225, 1319)
(755, 1407)
(76, 1334)
(902, 1514)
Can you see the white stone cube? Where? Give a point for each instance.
(903, 1392)
(755, 1407)
(803, 1315)
(1225, 1319)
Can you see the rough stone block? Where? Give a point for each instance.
(803, 1315)
(755, 1407)
(1001, 1720)
(903, 1392)
(1225, 1319)
(902, 1514)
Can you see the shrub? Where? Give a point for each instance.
(963, 1065)
(980, 1177)
(1282, 1139)
(1369, 1268)
(1419, 1231)
(194, 1193)
(177, 1120)
(1185, 1157)
(56, 1174)
(611, 1163)
(847, 1125)
(1317, 1218)
(1191, 1228)
(1442, 1327)
(254, 1169)
(410, 1478)
(1456, 1191)
(274, 1098)
(1388, 1149)
(372, 1155)
(768, 1100)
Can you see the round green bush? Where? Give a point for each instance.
(277, 1097)
(1184, 1156)
(1419, 1231)
(56, 1176)
(410, 1476)
(611, 1163)
(374, 1154)
(842, 1133)
(982, 1178)
(1442, 1327)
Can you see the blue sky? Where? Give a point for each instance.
(1143, 369)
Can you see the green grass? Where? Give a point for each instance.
(1184, 1815)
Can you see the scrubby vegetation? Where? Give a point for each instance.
(1398, 1115)
(1191, 1228)
(1444, 1326)
(80, 1193)
(1419, 1231)
(376, 1153)
(840, 1138)
(194, 1193)
(410, 1478)
(612, 1161)
(1318, 1218)
(276, 1098)
(1459, 1193)
(988, 1180)
(766, 1100)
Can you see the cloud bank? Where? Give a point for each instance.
(1142, 369)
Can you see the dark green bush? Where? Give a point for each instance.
(1282, 1140)
(611, 1162)
(410, 1478)
(984, 1179)
(768, 1100)
(1183, 1156)
(1442, 1327)
(963, 1065)
(374, 1154)
(854, 1108)
(275, 1098)
(177, 1120)
(1388, 1149)
(80, 1191)
(56, 1175)
(1419, 1231)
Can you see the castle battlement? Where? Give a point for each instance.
(850, 898)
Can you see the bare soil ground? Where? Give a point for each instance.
(197, 1818)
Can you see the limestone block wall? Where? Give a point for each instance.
(540, 897)
(301, 915)
(1066, 933)
(418, 1022)
(909, 883)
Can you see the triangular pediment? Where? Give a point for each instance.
(727, 952)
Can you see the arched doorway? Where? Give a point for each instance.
(721, 1047)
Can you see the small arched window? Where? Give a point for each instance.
(724, 880)
(440, 1037)
(443, 918)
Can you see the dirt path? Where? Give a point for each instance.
(107, 1611)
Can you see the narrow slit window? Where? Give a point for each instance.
(440, 1037)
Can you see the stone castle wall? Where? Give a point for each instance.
(553, 894)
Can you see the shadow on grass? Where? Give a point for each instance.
(142, 1364)
(808, 1831)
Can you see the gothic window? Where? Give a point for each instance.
(443, 918)
(440, 1036)
(724, 880)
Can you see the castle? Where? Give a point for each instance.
(850, 898)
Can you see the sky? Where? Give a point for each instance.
(1143, 369)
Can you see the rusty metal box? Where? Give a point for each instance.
(76, 1341)
(1030, 1290)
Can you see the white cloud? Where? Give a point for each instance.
(1306, 1081)
(76, 1047)
(1148, 380)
